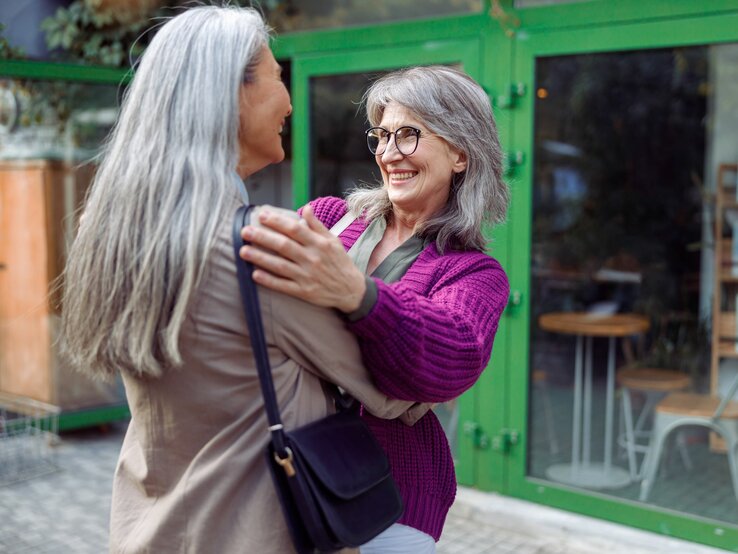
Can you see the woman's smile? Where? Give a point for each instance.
(400, 176)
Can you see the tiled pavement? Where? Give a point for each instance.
(66, 512)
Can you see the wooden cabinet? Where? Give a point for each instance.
(724, 356)
(38, 200)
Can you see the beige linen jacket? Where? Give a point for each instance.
(192, 474)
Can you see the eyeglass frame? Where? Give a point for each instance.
(417, 132)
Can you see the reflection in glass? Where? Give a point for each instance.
(340, 159)
(626, 150)
(293, 15)
(54, 119)
(49, 135)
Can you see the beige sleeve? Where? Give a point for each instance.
(317, 339)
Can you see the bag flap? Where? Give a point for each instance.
(342, 453)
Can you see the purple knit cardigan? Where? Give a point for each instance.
(428, 338)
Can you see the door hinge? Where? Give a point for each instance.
(509, 100)
(505, 440)
(514, 301)
(474, 431)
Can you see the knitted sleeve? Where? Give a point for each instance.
(328, 209)
(433, 346)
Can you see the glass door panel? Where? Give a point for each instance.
(336, 156)
(342, 162)
(627, 147)
(50, 132)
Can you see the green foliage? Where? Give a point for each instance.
(8, 52)
(79, 33)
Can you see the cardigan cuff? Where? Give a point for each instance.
(367, 302)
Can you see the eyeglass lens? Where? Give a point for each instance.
(406, 140)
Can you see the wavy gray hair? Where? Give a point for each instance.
(163, 184)
(452, 105)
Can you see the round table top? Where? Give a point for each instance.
(594, 325)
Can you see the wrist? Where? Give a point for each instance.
(352, 301)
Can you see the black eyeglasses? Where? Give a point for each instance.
(406, 140)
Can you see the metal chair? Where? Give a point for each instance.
(681, 409)
(654, 385)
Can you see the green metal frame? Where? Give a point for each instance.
(655, 32)
(608, 12)
(42, 71)
(45, 71)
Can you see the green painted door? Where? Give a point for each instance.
(329, 156)
(624, 131)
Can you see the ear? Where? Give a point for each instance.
(459, 161)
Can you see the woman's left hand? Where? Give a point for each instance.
(303, 260)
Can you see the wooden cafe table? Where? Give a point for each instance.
(582, 471)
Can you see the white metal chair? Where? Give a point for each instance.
(681, 409)
(654, 385)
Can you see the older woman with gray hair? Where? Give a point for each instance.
(415, 286)
(150, 291)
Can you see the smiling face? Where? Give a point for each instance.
(418, 185)
(264, 105)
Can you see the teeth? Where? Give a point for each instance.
(403, 176)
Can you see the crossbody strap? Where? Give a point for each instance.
(342, 224)
(250, 301)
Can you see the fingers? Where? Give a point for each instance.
(276, 283)
(269, 239)
(313, 222)
(294, 228)
(272, 263)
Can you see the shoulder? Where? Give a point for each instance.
(329, 209)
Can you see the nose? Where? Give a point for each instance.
(289, 111)
(391, 152)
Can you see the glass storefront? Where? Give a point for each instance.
(291, 15)
(50, 132)
(628, 147)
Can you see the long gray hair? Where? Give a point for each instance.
(164, 182)
(452, 105)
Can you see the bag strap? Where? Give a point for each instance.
(250, 301)
(342, 224)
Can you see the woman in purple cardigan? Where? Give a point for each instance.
(408, 271)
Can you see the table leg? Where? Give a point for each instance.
(582, 472)
(609, 403)
(587, 431)
(576, 432)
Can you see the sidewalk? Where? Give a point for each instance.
(66, 512)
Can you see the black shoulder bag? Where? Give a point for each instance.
(332, 478)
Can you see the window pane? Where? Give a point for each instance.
(340, 157)
(291, 15)
(49, 133)
(627, 151)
